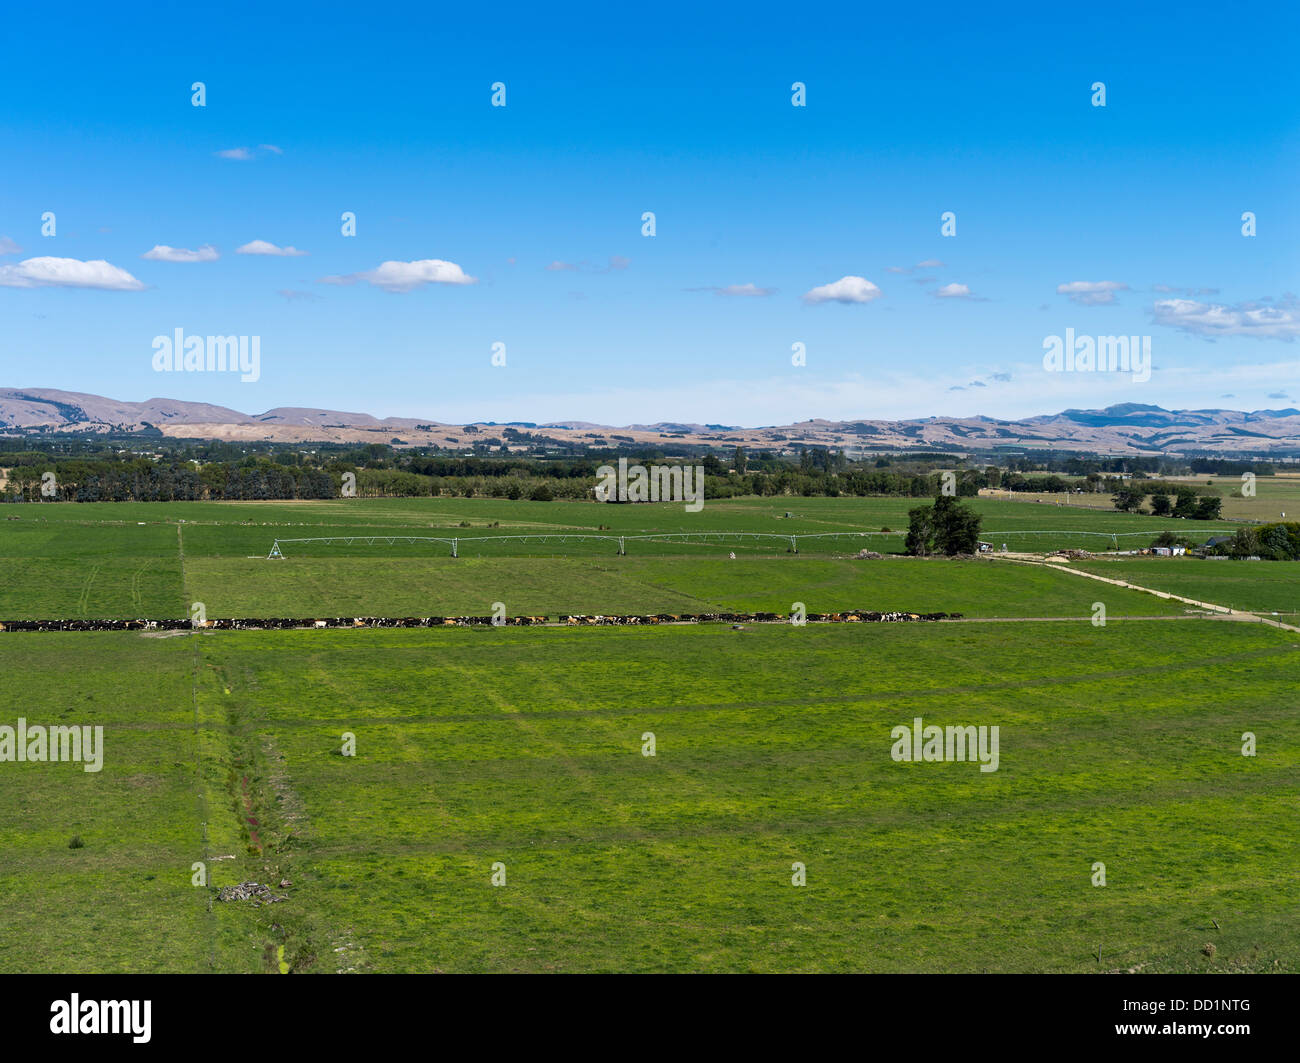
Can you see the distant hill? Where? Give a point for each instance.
(1129, 428)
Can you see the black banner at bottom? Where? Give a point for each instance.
(677, 1011)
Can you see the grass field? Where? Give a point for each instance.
(124, 901)
(127, 560)
(1119, 745)
(1274, 496)
(225, 528)
(522, 746)
(1257, 586)
(369, 586)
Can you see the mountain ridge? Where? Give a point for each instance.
(1123, 428)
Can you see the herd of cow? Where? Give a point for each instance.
(851, 617)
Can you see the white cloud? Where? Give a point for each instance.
(953, 291)
(246, 154)
(1262, 320)
(845, 290)
(1091, 293)
(262, 247)
(908, 391)
(8, 247)
(1165, 289)
(407, 276)
(744, 290)
(930, 263)
(47, 272)
(616, 262)
(163, 253)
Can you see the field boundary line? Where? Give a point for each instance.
(1227, 611)
(200, 786)
(83, 599)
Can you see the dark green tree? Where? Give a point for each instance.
(1128, 500)
(957, 527)
(945, 527)
(1209, 508)
(1185, 506)
(920, 531)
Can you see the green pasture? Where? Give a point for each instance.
(1256, 586)
(348, 584)
(523, 747)
(126, 560)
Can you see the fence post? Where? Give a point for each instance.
(453, 548)
(621, 548)
(794, 546)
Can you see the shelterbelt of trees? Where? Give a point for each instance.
(142, 480)
(160, 470)
(1169, 500)
(165, 478)
(1271, 542)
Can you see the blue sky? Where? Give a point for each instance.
(614, 111)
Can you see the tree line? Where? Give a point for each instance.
(1184, 502)
(1279, 541)
(144, 481)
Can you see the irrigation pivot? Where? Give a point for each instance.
(621, 541)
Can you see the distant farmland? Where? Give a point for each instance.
(1121, 744)
(124, 560)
